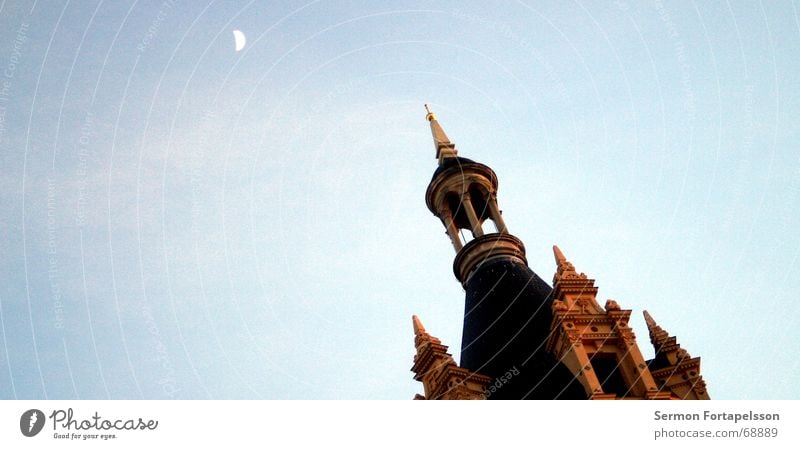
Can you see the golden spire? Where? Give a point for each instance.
(444, 148)
(430, 116)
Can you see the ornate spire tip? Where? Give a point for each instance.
(430, 116)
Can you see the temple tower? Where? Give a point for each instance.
(521, 338)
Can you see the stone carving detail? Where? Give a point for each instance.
(441, 377)
(595, 333)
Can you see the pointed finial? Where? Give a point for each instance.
(444, 148)
(419, 329)
(648, 319)
(658, 336)
(560, 259)
(663, 342)
(430, 116)
(565, 268)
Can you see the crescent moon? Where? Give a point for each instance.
(239, 39)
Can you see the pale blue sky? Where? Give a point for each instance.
(179, 220)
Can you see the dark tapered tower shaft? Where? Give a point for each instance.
(508, 307)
